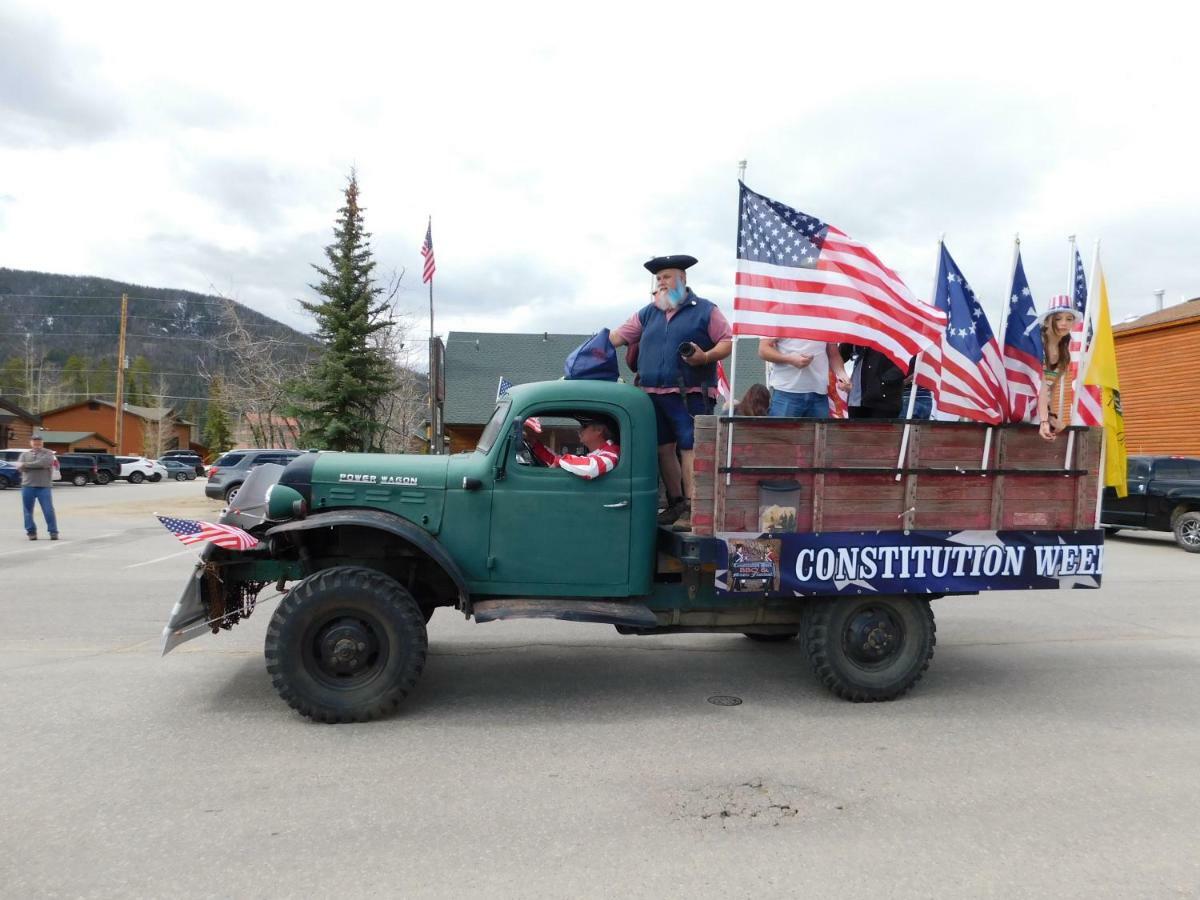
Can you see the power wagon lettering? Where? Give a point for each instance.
(357, 478)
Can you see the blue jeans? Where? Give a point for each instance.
(922, 406)
(806, 405)
(42, 496)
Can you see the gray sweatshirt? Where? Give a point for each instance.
(36, 468)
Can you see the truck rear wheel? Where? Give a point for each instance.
(1187, 531)
(346, 645)
(869, 648)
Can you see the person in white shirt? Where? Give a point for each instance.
(799, 375)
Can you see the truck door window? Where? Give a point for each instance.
(559, 434)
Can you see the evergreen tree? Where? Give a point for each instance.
(75, 379)
(338, 402)
(13, 385)
(217, 432)
(138, 389)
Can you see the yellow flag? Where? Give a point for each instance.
(1102, 372)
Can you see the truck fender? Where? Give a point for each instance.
(393, 524)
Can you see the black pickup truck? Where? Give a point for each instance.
(1164, 495)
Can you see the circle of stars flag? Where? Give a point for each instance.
(1022, 348)
(799, 277)
(190, 531)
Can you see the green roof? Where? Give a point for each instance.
(477, 360)
(65, 437)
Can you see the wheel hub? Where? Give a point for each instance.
(872, 637)
(1189, 533)
(345, 647)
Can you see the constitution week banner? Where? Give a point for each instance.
(913, 562)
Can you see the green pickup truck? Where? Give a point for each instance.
(801, 528)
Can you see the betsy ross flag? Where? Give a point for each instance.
(1022, 348)
(799, 277)
(191, 532)
(427, 252)
(1099, 401)
(965, 371)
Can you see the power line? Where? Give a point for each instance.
(159, 337)
(117, 298)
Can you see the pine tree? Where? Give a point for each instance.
(338, 402)
(75, 379)
(138, 389)
(13, 384)
(217, 432)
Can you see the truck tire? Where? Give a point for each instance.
(776, 638)
(866, 649)
(136, 478)
(1187, 531)
(232, 492)
(346, 645)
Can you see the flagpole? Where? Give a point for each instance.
(1085, 355)
(733, 357)
(1062, 386)
(912, 390)
(434, 437)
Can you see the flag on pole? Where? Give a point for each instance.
(427, 252)
(192, 532)
(965, 371)
(839, 407)
(503, 387)
(1022, 348)
(723, 386)
(799, 277)
(1100, 382)
(1079, 343)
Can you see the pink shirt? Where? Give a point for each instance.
(718, 330)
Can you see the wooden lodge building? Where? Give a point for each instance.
(91, 425)
(16, 425)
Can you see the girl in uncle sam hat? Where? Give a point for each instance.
(1057, 320)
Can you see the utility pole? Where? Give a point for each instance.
(120, 429)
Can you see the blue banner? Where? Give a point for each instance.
(912, 562)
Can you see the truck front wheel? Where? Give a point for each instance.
(346, 645)
(869, 648)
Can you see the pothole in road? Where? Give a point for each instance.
(756, 802)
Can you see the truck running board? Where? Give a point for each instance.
(607, 612)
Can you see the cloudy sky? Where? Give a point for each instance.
(206, 147)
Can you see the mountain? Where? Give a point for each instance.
(45, 319)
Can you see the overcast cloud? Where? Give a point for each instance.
(205, 148)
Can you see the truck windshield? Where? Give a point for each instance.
(492, 428)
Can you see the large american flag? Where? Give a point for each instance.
(192, 532)
(427, 252)
(799, 277)
(965, 372)
(1022, 348)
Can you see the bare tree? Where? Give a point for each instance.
(402, 410)
(158, 435)
(255, 385)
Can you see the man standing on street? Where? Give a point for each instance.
(681, 338)
(37, 467)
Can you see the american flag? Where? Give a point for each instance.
(838, 399)
(1079, 301)
(1022, 348)
(966, 372)
(191, 532)
(427, 252)
(723, 386)
(503, 387)
(799, 277)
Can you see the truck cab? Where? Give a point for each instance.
(1163, 495)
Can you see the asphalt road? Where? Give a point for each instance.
(1052, 750)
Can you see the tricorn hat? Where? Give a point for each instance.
(678, 261)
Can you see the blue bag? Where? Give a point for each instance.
(593, 360)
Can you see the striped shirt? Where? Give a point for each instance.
(598, 462)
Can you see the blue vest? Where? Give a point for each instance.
(659, 363)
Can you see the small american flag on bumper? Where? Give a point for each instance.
(190, 531)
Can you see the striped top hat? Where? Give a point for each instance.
(1059, 303)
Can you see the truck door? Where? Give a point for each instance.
(1129, 510)
(555, 533)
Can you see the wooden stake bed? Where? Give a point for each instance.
(846, 471)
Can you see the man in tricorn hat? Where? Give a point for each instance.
(681, 339)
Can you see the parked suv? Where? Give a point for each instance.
(190, 457)
(77, 468)
(225, 476)
(107, 467)
(136, 469)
